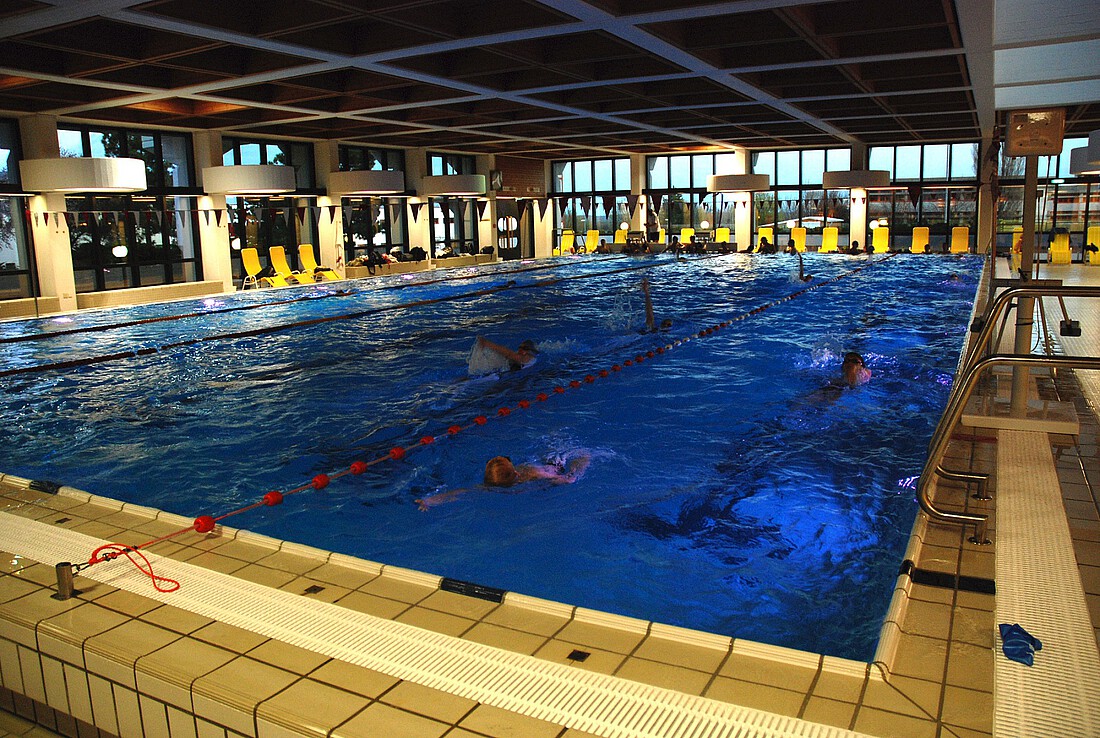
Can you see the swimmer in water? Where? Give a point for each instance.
(492, 357)
(650, 320)
(500, 472)
(854, 371)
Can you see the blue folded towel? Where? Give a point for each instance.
(1018, 644)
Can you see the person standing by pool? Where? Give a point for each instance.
(487, 357)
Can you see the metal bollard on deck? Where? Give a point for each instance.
(65, 589)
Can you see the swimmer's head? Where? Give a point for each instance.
(529, 347)
(853, 358)
(499, 472)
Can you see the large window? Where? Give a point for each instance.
(939, 190)
(454, 219)
(263, 222)
(136, 240)
(16, 278)
(591, 194)
(372, 222)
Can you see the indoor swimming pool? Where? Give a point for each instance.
(733, 486)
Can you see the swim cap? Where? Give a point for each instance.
(528, 346)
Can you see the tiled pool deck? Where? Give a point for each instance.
(129, 664)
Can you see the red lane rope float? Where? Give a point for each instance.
(273, 303)
(135, 353)
(206, 523)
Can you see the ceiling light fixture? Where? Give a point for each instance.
(83, 174)
(248, 179)
(452, 185)
(366, 182)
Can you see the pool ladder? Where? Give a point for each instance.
(978, 361)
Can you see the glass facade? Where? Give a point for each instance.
(263, 222)
(137, 240)
(372, 222)
(938, 189)
(454, 219)
(16, 278)
(797, 198)
(590, 194)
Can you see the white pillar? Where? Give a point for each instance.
(742, 220)
(420, 229)
(217, 262)
(858, 226)
(329, 248)
(49, 232)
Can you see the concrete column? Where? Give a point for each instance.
(420, 229)
(217, 262)
(544, 224)
(858, 212)
(329, 248)
(637, 186)
(987, 207)
(742, 220)
(49, 232)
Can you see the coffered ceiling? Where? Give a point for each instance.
(552, 78)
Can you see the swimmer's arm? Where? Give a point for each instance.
(504, 351)
(649, 319)
(426, 503)
(531, 472)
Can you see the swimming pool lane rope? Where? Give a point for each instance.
(204, 524)
(273, 303)
(149, 350)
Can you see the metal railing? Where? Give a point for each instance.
(971, 370)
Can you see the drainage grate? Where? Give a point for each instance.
(557, 693)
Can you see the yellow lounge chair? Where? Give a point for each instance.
(722, 235)
(620, 236)
(661, 236)
(1092, 237)
(765, 232)
(829, 237)
(686, 234)
(960, 240)
(250, 260)
(798, 235)
(591, 241)
(309, 264)
(568, 241)
(880, 239)
(920, 240)
(1060, 252)
(276, 256)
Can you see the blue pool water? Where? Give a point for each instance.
(728, 492)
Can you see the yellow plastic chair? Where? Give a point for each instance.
(250, 260)
(960, 240)
(686, 234)
(1092, 237)
(309, 264)
(1059, 249)
(920, 240)
(829, 237)
(620, 236)
(276, 256)
(661, 236)
(880, 239)
(568, 241)
(591, 241)
(765, 232)
(1017, 256)
(721, 235)
(798, 235)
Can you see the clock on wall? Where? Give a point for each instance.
(1035, 132)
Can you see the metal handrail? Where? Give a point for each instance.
(998, 306)
(959, 395)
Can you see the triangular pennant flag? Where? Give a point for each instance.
(70, 220)
(523, 204)
(481, 205)
(36, 218)
(395, 212)
(586, 205)
(218, 217)
(462, 206)
(346, 213)
(156, 217)
(206, 214)
(331, 214)
(656, 200)
(608, 204)
(302, 213)
(543, 203)
(914, 194)
(415, 207)
(632, 204)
